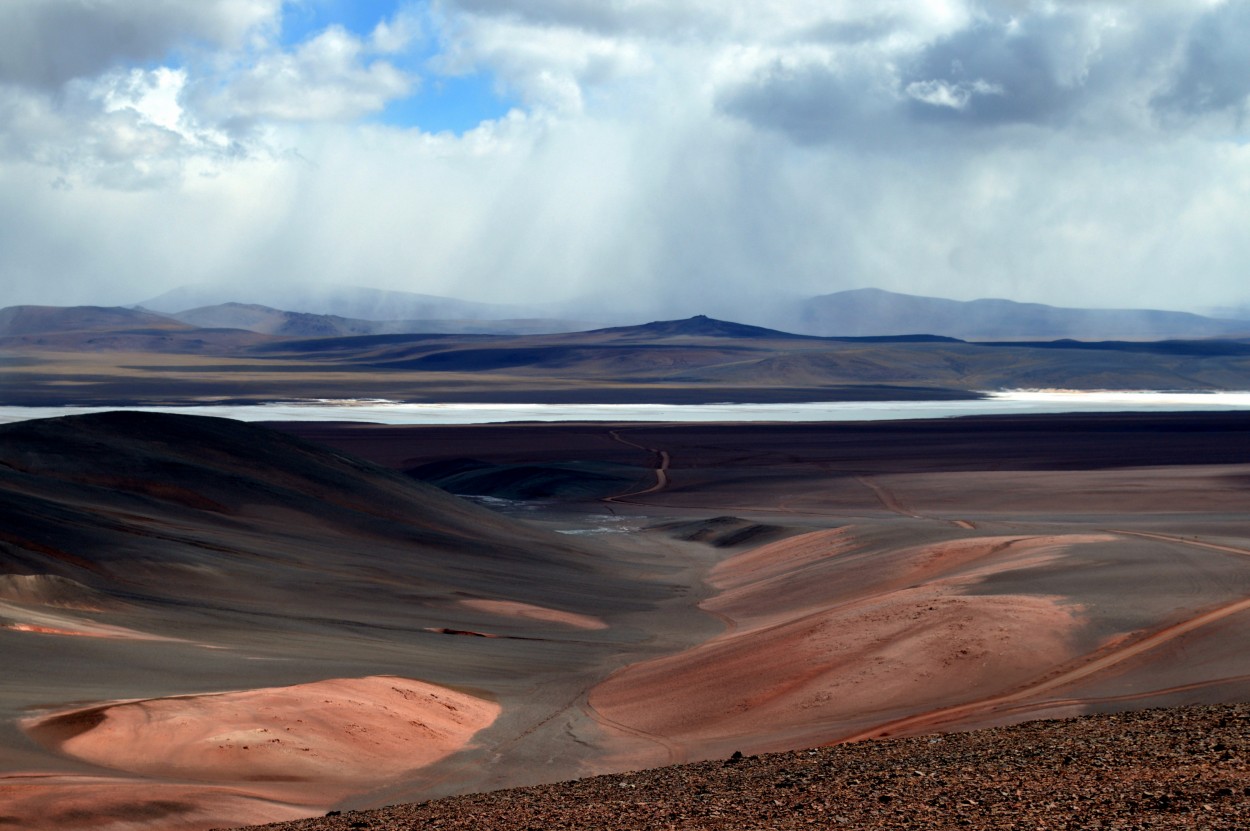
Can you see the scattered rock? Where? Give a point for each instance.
(1155, 769)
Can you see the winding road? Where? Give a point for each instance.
(891, 503)
(663, 461)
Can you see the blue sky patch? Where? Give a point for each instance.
(454, 104)
(305, 19)
(440, 103)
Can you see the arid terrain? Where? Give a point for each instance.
(209, 624)
(586, 415)
(51, 356)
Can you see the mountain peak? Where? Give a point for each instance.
(697, 326)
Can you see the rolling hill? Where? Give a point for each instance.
(44, 320)
(112, 329)
(95, 499)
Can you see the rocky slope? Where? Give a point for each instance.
(1156, 769)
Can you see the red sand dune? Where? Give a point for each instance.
(341, 730)
(285, 750)
(829, 633)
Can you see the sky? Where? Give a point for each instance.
(658, 156)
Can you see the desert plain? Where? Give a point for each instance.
(211, 624)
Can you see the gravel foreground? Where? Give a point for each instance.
(1167, 768)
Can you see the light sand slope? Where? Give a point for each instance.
(528, 611)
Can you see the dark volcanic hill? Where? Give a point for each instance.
(697, 326)
(876, 312)
(126, 502)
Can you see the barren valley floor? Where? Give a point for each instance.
(209, 624)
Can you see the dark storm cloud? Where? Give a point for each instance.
(812, 102)
(45, 43)
(1214, 72)
(1003, 71)
(1093, 67)
(1038, 69)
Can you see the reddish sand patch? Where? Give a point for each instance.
(48, 630)
(44, 621)
(830, 634)
(527, 611)
(342, 731)
(95, 803)
(782, 557)
(264, 755)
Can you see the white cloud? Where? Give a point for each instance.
(946, 94)
(99, 118)
(152, 95)
(397, 33)
(545, 66)
(331, 77)
(672, 156)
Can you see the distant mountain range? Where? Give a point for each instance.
(876, 312)
(695, 360)
(354, 310)
(337, 311)
(342, 301)
(861, 313)
(270, 321)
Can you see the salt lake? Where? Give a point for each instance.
(391, 412)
